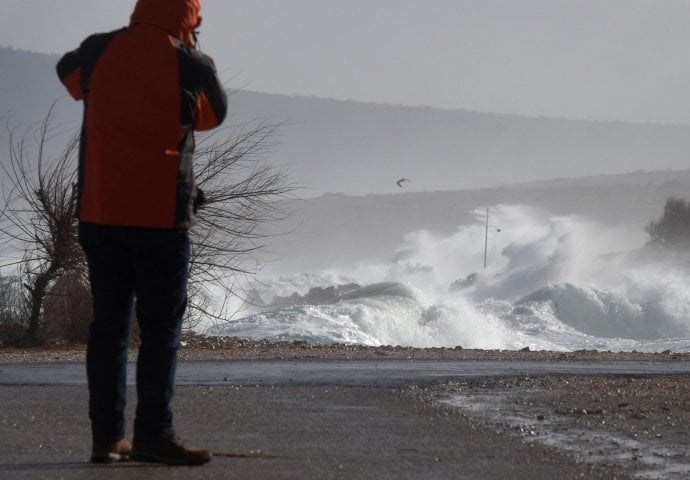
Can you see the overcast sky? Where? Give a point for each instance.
(596, 59)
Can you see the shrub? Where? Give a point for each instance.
(672, 230)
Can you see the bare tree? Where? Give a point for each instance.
(38, 217)
(242, 194)
(11, 309)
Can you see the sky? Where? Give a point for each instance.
(587, 59)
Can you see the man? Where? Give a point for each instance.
(145, 88)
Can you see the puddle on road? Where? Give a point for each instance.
(646, 459)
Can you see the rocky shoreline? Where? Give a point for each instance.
(200, 347)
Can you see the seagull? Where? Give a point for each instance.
(400, 182)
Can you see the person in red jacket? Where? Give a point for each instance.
(146, 88)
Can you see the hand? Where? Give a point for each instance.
(199, 200)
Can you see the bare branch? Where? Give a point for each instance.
(37, 216)
(243, 194)
(38, 221)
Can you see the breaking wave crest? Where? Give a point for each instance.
(551, 283)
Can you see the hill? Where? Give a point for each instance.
(336, 230)
(360, 148)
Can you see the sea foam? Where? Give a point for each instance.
(556, 283)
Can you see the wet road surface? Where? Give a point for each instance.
(294, 420)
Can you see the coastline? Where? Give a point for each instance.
(199, 347)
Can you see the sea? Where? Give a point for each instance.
(516, 281)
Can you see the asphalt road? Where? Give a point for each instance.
(294, 420)
(360, 373)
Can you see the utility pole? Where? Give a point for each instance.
(486, 236)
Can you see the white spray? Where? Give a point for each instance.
(557, 283)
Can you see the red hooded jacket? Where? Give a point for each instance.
(145, 90)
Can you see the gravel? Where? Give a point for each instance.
(640, 423)
(200, 347)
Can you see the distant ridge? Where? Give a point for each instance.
(651, 179)
(359, 148)
(351, 228)
(28, 85)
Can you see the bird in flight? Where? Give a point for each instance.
(400, 182)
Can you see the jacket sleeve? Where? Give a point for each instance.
(212, 104)
(69, 71)
(74, 68)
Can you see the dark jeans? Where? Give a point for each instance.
(150, 265)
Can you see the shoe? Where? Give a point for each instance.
(170, 451)
(109, 452)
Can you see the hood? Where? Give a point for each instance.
(179, 17)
